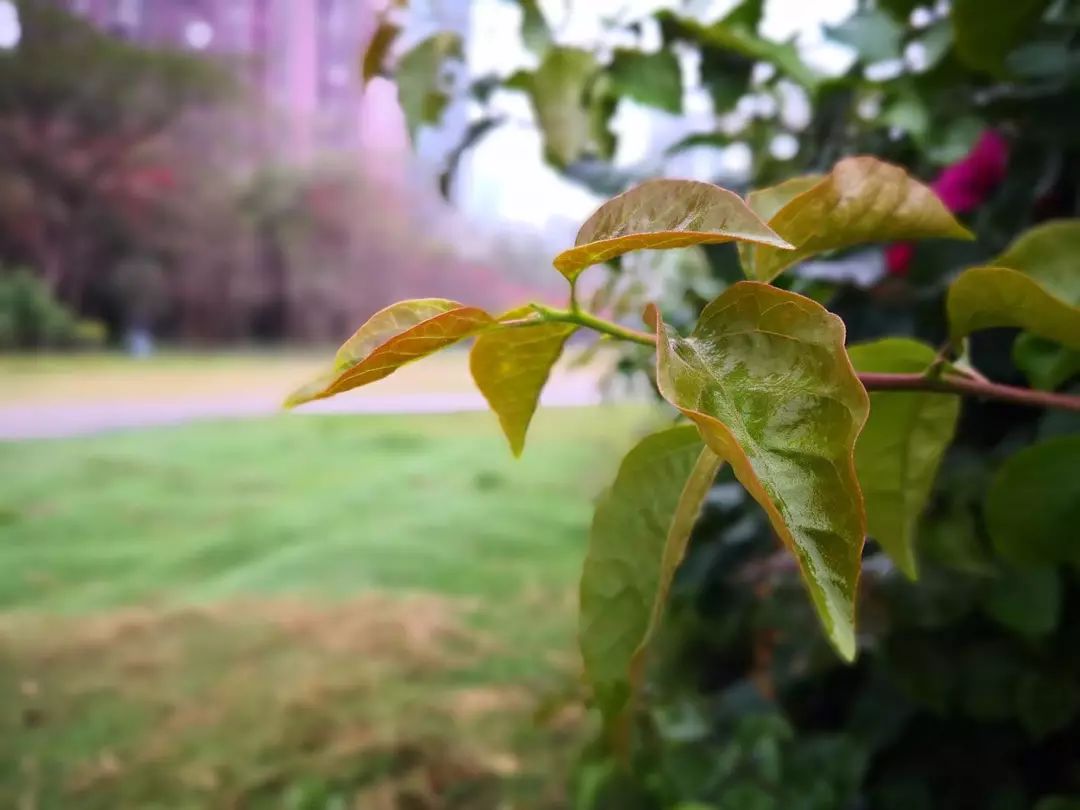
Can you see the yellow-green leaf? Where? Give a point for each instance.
(511, 367)
(766, 202)
(638, 538)
(901, 446)
(765, 377)
(1035, 285)
(861, 200)
(392, 337)
(664, 214)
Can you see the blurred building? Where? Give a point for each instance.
(299, 56)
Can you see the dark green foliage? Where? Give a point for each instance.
(30, 318)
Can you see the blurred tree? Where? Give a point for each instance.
(84, 124)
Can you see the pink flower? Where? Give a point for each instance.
(963, 186)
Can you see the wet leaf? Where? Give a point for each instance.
(987, 30)
(653, 79)
(638, 537)
(663, 214)
(899, 451)
(421, 80)
(1033, 504)
(401, 333)
(765, 377)
(375, 56)
(861, 200)
(1035, 285)
(511, 367)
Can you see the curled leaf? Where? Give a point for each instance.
(901, 446)
(765, 377)
(638, 538)
(401, 333)
(511, 366)
(1035, 285)
(861, 200)
(664, 214)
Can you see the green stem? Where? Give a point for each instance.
(590, 321)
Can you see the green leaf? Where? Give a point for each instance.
(765, 377)
(511, 367)
(401, 333)
(663, 214)
(1047, 701)
(873, 33)
(561, 95)
(421, 82)
(1033, 504)
(639, 534)
(861, 200)
(726, 75)
(649, 78)
(987, 30)
(1028, 601)
(375, 55)
(1046, 364)
(534, 28)
(1035, 285)
(766, 202)
(899, 451)
(738, 33)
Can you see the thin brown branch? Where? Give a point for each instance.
(970, 388)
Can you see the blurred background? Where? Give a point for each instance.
(368, 603)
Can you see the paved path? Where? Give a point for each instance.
(43, 420)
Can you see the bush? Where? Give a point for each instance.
(31, 318)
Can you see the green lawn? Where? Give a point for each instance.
(303, 611)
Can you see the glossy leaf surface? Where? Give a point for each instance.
(765, 377)
(1035, 285)
(392, 337)
(420, 80)
(1033, 504)
(511, 366)
(663, 214)
(901, 446)
(861, 200)
(638, 537)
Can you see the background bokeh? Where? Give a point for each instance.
(367, 603)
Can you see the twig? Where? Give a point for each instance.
(948, 383)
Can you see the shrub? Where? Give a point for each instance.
(31, 318)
